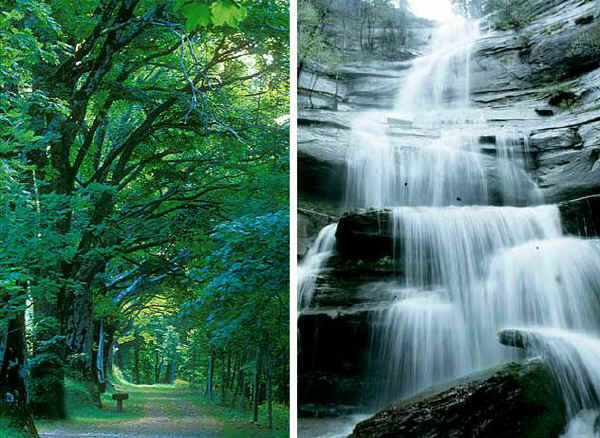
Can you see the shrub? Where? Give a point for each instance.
(509, 14)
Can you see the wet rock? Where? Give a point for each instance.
(316, 79)
(581, 216)
(322, 159)
(487, 139)
(316, 101)
(321, 178)
(545, 51)
(544, 112)
(323, 118)
(399, 122)
(313, 410)
(561, 138)
(586, 19)
(513, 338)
(511, 401)
(309, 224)
(366, 234)
(571, 172)
(352, 285)
(331, 371)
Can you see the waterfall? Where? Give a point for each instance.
(422, 338)
(313, 263)
(475, 250)
(551, 283)
(573, 357)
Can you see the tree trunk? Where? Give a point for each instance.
(100, 355)
(223, 380)
(100, 364)
(243, 387)
(172, 374)
(235, 387)
(269, 392)
(234, 372)
(80, 336)
(228, 381)
(109, 351)
(14, 404)
(167, 373)
(256, 385)
(208, 392)
(47, 364)
(136, 359)
(157, 366)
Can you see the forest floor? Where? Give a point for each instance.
(155, 411)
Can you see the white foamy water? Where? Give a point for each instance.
(441, 78)
(427, 151)
(421, 339)
(313, 263)
(550, 283)
(584, 425)
(573, 357)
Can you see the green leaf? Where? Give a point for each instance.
(197, 14)
(225, 12)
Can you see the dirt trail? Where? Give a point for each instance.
(166, 415)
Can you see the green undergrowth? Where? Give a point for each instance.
(8, 432)
(239, 424)
(82, 409)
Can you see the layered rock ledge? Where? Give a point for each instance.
(368, 234)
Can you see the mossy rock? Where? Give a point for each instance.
(511, 401)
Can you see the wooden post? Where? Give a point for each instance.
(119, 397)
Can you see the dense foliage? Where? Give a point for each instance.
(503, 14)
(143, 166)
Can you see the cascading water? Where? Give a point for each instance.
(475, 251)
(573, 357)
(314, 261)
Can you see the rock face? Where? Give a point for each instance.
(550, 65)
(581, 216)
(328, 95)
(332, 374)
(515, 400)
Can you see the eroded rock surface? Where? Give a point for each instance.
(514, 400)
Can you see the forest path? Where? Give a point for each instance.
(152, 411)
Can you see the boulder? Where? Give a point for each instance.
(518, 400)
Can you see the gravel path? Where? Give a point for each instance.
(166, 416)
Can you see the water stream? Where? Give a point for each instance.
(476, 248)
